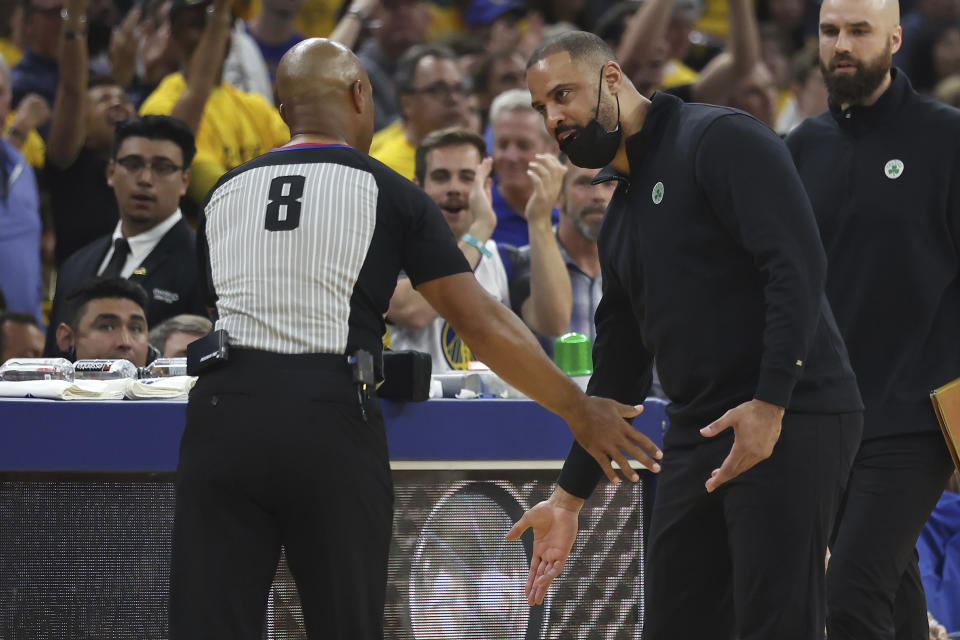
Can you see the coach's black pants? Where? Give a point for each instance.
(275, 452)
(873, 583)
(747, 561)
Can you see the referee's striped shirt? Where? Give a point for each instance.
(301, 248)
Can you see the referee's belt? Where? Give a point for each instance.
(322, 376)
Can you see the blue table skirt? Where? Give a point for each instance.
(49, 435)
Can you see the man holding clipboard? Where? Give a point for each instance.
(883, 174)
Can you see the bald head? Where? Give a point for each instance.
(324, 91)
(857, 41)
(881, 13)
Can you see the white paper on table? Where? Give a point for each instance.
(63, 390)
(174, 387)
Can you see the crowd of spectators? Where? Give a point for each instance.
(72, 70)
(88, 190)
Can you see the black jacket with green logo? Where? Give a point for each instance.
(713, 265)
(884, 182)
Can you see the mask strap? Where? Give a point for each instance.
(596, 114)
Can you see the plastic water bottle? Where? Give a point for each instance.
(165, 368)
(104, 369)
(26, 369)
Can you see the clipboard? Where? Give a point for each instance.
(946, 403)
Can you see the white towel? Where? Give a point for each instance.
(63, 390)
(174, 387)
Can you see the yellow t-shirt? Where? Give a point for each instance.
(236, 127)
(10, 52)
(317, 18)
(445, 21)
(676, 74)
(246, 9)
(784, 97)
(34, 149)
(390, 147)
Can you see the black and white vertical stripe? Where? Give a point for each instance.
(289, 291)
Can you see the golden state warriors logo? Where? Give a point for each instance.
(455, 350)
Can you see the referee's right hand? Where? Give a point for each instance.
(602, 430)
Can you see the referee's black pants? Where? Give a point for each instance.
(747, 561)
(874, 590)
(276, 452)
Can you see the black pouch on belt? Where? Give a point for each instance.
(406, 376)
(208, 352)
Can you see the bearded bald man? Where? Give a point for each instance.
(883, 174)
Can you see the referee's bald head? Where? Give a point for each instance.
(323, 90)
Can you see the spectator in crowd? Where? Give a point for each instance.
(453, 170)
(795, 19)
(34, 111)
(152, 243)
(881, 169)
(157, 55)
(85, 113)
(642, 39)
(809, 91)
(11, 32)
(20, 225)
(274, 32)
(495, 73)
(518, 137)
(101, 26)
(656, 33)
(579, 14)
(938, 548)
(20, 336)
(400, 24)
(946, 52)
(948, 91)
(433, 95)
(105, 319)
(921, 26)
(776, 54)
(231, 126)
(469, 52)
(172, 336)
(20, 126)
(756, 94)
(582, 205)
(36, 72)
(244, 67)
(496, 23)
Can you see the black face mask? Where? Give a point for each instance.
(593, 147)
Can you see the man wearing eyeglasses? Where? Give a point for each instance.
(152, 243)
(432, 96)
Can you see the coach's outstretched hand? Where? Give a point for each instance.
(554, 523)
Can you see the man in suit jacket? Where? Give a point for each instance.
(152, 244)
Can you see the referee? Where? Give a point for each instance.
(301, 248)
